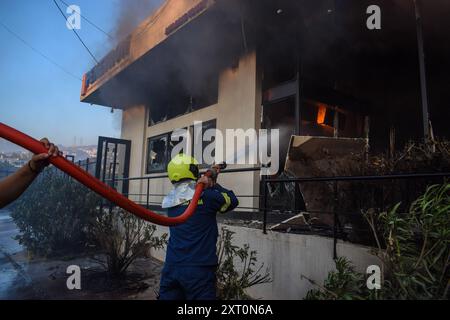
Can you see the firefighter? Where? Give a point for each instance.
(189, 271)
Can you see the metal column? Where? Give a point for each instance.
(423, 76)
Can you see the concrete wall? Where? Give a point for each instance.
(239, 106)
(134, 125)
(288, 256)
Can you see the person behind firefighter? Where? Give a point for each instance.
(189, 271)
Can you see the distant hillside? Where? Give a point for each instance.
(6, 166)
(8, 147)
(80, 152)
(10, 151)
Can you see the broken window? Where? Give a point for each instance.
(159, 148)
(175, 99)
(157, 153)
(317, 119)
(321, 119)
(207, 95)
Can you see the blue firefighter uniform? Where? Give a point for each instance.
(191, 259)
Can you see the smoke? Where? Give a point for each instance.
(330, 37)
(131, 13)
(188, 68)
(117, 120)
(198, 54)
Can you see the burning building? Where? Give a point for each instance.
(308, 68)
(312, 69)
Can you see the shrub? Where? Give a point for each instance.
(343, 284)
(53, 215)
(123, 238)
(231, 282)
(414, 248)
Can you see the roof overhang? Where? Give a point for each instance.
(120, 77)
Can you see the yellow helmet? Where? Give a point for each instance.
(182, 167)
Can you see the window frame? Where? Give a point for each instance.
(147, 165)
(192, 106)
(168, 136)
(191, 128)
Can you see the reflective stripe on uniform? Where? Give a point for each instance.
(200, 202)
(227, 202)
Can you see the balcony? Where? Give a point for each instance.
(120, 78)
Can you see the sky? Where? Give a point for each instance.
(37, 97)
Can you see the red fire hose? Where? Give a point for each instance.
(96, 185)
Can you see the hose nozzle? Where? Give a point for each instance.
(213, 172)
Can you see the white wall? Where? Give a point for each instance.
(288, 256)
(134, 126)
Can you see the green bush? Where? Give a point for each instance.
(232, 282)
(414, 248)
(54, 215)
(343, 284)
(123, 238)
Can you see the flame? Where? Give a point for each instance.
(321, 113)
